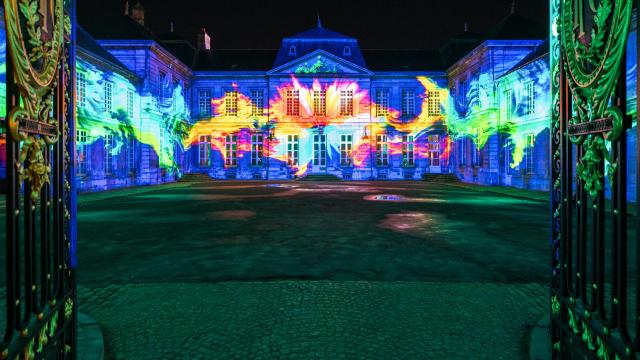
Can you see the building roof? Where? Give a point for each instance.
(458, 46)
(403, 60)
(235, 60)
(517, 27)
(121, 27)
(321, 38)
(89, 44)
(540, 52)
(180, 47)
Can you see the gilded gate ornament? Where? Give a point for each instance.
(593, 58)
(35, 37)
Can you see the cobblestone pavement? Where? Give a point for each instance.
(315, 320)
(356, 270)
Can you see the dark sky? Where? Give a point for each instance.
(389, 24)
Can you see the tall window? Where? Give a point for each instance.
(382, 150)
(531, 98)
(508, 150)
(434, 103)
(257, 149)
(476, 147)
(131, 154)
(231, 102)
(81, 90)
(407, 150)
(231, 150)
(204, 146)
(108, 97)
(408, 103)
(320, 149)
(320, 102)
(293, 102)
(508, 104)
(204, 102)
(462, 152)
(257, 102)
(528, 154)
(382, 102)
(346, 149)
(130, 103)
(293, 150)
(433, 144)
(81, 146)
(346, 102)
(162, 76)
(108, 153)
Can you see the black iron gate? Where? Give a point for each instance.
(596, 248)
(40, 201)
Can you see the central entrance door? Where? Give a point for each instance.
(319, 164)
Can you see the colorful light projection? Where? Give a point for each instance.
(519, 107)
(333, 110)
(121, 112)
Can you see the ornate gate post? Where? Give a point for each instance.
(40, 210)
(590, 287)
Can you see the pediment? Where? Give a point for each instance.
(319, 62)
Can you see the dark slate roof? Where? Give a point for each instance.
(235, 60)
(319, 38)
(89, 44)
(458, 46)
(121, 27)
(517, 27)
(179, 47)
(319, 32)
(403, 60)
(541, 51)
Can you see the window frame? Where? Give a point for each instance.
(257, 102)
(108, 97)
(320, 149)
(293, 149)
(382, 102)
(109, 164)
(231, 150)
(408, 103)
(292, 102)
(408, 150)
(257, 149)
(204, 102)
(81, 149)
(204, 150)
(231, 102)
(346, 150)
(382, 150)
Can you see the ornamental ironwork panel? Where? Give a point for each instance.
(40, 201)
(593, 290)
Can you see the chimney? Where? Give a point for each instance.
(137, 13)
(466, 27)
(126, 8)
(171, 27)
(204, 40)
(513, 7)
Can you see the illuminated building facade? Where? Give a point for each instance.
(320, 106)
(152, 107)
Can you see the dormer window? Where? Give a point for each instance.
(292, 50)
(346, 51)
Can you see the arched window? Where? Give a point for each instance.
(292, 50)
(346, 51)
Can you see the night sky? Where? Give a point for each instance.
(378, 24)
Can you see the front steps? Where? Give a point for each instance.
(320, 177)
(440, 178)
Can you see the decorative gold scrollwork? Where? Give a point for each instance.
(593, 60)
(35, 39)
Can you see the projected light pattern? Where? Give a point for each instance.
(332, 115)
(110, 106)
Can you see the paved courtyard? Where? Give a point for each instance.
(207, 269)
(313, 270)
